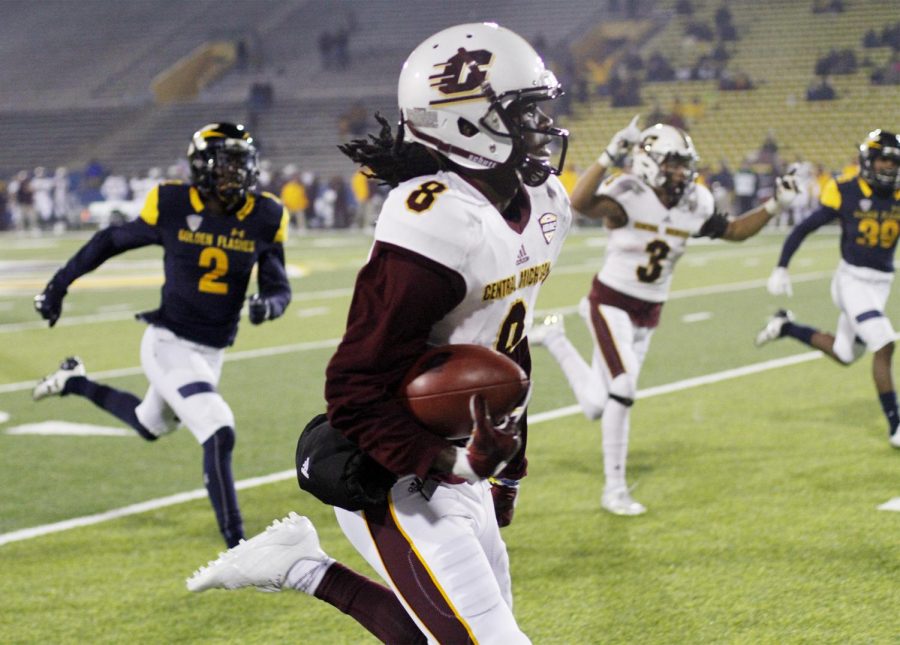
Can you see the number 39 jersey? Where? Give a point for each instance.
(641, 255)
(503, 263)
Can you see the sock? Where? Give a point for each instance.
(800, 332)
(889, 405)
(307, 574)
(219, 484)
(589, 388)
(615, 443)
(119, 403)
(372, 605)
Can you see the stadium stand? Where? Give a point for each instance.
(77, 83)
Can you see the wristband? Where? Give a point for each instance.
(771, 206)
(606, 160)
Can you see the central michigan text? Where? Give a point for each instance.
(529, 276)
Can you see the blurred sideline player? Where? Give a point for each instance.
(213, 231)
(474, 222)
(867, 207)
(651, 211)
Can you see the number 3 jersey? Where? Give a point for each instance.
(503, 261)
(641, 255)
(208, 259)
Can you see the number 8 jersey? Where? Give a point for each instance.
(641, 255)
(503, 261)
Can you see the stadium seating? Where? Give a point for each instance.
(779, 44)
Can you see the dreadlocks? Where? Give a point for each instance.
(388, 158)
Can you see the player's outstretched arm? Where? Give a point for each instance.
(752, 222)
(584, 195)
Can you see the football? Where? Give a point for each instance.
(437, 388)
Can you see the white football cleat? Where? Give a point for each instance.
(772, 330)
(618, 501)
(264, 560)
(551, 325)
(53, 384)
(895, 438)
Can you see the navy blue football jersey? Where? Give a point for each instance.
(208, 259)
(869, 221)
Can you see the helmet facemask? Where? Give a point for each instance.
(530, 130)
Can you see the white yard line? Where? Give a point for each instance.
(541, 417)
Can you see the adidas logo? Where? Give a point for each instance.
(304, 468)
(522, 257)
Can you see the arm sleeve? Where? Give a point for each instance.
(103, 245)
(818, 218)
(273, 280)
(398, 297)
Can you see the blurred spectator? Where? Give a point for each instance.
(684, 8)
(837, 61)
(745, 182)
(23, 200)
(6, 222)
(735, 80)
(568, 177)
(724, 27)
(890, 73)
(353, 121)
(820, 90)
(42, 193)
(345, 204)
(659, 69)
(721, 184)
(293, 196)
(827, 6)
(768, 150)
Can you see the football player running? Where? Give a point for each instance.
(651, 211)
(867, 208)
(213, 231)
(474, 222)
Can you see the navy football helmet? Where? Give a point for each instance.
(880, 144)
(224, 162)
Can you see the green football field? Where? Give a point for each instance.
(762, 469)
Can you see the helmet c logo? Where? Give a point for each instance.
(464, 72)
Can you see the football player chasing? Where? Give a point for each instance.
(474, 222)
(213, 231)
(650, 211)
(867, 208)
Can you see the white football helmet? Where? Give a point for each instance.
(455, 90)
(666, 158)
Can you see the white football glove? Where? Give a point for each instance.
(786, 191)
(779, 283)
(621, 143)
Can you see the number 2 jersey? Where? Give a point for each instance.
(446, 267)
(869, 221)
(208, 259)
(641, 255)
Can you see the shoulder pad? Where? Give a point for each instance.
(831, 194)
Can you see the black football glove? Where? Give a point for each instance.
(48, 303)
(258, 309)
